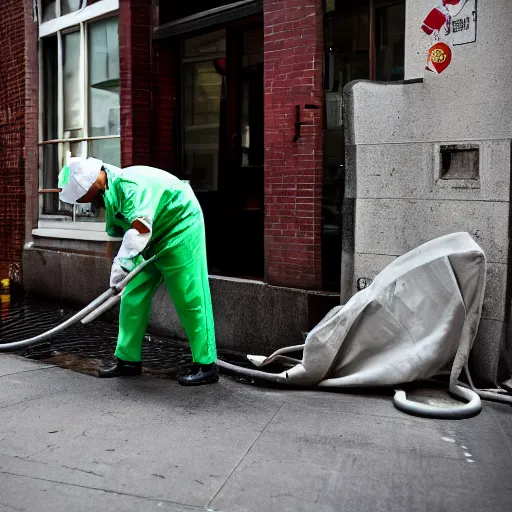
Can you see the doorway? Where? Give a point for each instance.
(222, 143)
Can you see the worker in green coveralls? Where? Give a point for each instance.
(159, 215)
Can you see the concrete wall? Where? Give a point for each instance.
(250, 316)
(395, 199)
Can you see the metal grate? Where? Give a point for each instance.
(86, 348)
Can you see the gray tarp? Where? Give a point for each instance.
(419, 316)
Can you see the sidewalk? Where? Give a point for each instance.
(70, 442)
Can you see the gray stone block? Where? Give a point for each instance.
(495, 292)
(42, 273)
(251, 315)
(66, 244)
(70, 277)
(395, 226)
(412, 113)
(412, 171)
(84, 277)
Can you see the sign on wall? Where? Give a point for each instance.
(451, 23)
(463, 25)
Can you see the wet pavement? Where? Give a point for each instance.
(69, 441)
(86, 348)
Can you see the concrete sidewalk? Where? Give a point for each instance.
(70, 442)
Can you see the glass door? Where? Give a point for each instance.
(222, 144)
(203, 129)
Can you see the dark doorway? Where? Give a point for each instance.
(364, 40)
(222, 143)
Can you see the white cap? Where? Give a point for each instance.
(77, 177)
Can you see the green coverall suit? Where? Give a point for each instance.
(170, 207)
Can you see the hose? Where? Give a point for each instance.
(472, 408)
(400, 400)
(255, 374)
(99, 305)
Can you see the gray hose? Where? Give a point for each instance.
(283, 360)
(255, 374)
(472, 408)
(286, 350)
(88, 310)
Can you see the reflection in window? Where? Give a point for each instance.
(104, 89)
(355, 49)
(65, 115)
(347, 58)
(73, 121)
(203, 89)
(252, 99)
(50, 153)
(68, 6)
(49, 8)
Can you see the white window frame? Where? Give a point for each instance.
(60, 226)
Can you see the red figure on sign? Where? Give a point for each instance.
(441, 16)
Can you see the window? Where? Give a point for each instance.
(390, 39)
(80, 94)
(364, 40)
(203, 89)
(49, 7)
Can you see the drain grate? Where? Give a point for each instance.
(85, 348)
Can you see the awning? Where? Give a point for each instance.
(213, 17)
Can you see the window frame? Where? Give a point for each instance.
(49, 224)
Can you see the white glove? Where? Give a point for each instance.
(133, 244)
(117, 274)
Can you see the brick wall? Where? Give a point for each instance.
(31, 122)
(135, 23)
(165, 65)
(293, 170)
(18, 124)
(148, 87)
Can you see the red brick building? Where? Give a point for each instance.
(241, 98)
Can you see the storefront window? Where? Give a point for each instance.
(203, 89)
(80, 102)
(104, 90)
(222, 105)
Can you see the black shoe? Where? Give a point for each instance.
(121, 369)
(204, 374)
